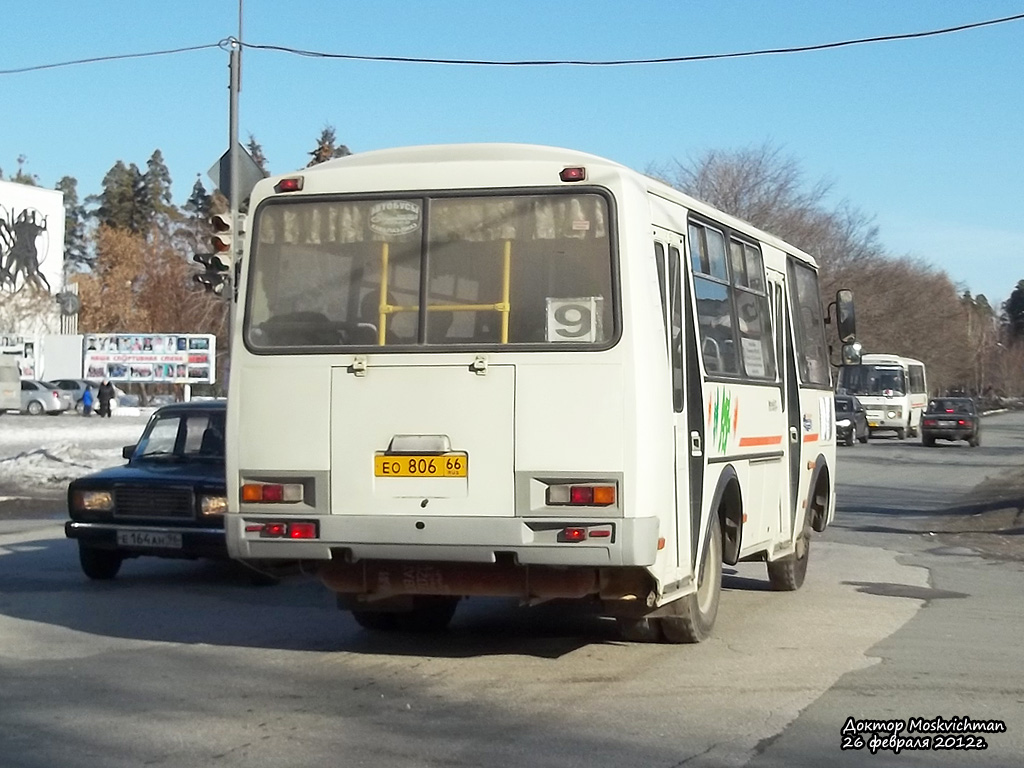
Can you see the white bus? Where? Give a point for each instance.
(893, 389)
(506, 370)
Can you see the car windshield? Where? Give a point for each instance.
(183, 437)
(872, 380)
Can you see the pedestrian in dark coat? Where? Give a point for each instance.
(105, 394)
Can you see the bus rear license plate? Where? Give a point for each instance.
(450, 465)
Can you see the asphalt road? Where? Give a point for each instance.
(186, 664)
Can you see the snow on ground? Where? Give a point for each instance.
(39, 455)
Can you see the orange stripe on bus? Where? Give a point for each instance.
(765, 440)
(811, 438)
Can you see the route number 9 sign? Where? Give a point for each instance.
(575, 319)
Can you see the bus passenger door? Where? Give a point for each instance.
(792, 439)
(688, 426)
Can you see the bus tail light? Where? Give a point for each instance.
(580, 495)
(291, 184)
(572, 534)
(271, 493)
(290, 529)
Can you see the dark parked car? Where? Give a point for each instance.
(951, 418)
(168, 501)
(851, 420)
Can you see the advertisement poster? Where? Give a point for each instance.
(24, 350)
(165, 358)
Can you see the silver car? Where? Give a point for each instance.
(39, 397)
(75, 389)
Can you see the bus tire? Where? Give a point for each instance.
(787, 573)
(700, 608)
(901, 434)
(640, 630)
(99, 564)
(430, 613)
(376, 621)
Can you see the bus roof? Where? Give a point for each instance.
(500, 153)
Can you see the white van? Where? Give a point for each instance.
(10, 385)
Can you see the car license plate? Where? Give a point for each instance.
(153, 539)
(448, 465)
(946, 423)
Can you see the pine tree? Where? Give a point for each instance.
(256, 152)
(21, 177)
(326, 148)
(1014, 309)
(76, 252)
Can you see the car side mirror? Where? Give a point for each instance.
(127, 451)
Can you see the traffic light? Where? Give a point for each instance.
(218, 263)
(223, 238)
(216, 276)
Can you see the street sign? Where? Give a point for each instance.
(248, 173)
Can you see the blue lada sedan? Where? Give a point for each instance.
(167, 501)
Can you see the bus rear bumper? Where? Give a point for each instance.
(533, 541)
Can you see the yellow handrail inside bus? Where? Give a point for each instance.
(383, 307)
(504, 306)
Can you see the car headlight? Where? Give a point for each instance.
(213, 505)
(843, 423)
(93, 501)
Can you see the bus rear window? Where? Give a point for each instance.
(431, 272)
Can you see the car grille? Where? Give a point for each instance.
(152, 502)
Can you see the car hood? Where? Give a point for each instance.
(157, 473)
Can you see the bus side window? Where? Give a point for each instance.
(659, 263)
(675, 276)
(716, 320)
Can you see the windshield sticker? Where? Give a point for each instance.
(394, 218)
(574, 319)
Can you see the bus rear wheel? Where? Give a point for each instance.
(787, 573)
(429, 613)
(700, 609)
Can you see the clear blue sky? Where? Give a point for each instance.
(924, 135)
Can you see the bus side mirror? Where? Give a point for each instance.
(846, 323)
(851, 353)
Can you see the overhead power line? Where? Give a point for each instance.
(529, 62)
(623, 62)
(116, 57)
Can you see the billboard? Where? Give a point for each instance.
(24, 349)
(31, 238)
(157, 358)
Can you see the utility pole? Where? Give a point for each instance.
(235, 85)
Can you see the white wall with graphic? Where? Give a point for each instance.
(31, 238)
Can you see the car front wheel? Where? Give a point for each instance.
(99, 564)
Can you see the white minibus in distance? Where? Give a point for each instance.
(521, 371)
(893, 389)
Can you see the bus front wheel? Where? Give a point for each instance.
(699, 609)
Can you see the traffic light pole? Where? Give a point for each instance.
(235, 66)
